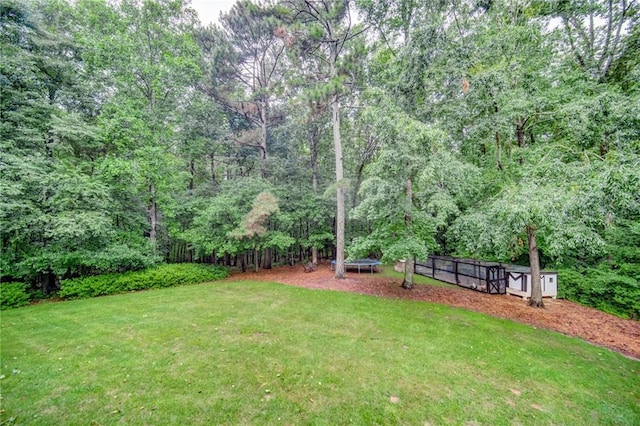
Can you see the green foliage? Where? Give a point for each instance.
(605, 290)
(69, 262)
(157, 277)
(318, 240)
(560, 199)
(252, 225)
(279, 240)
(217, 220)
(13, 295)
(115, 258)
(395, 240)
(399, 226)
(613, 284)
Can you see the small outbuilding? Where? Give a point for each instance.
(519, 282)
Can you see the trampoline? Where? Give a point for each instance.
(359, 264)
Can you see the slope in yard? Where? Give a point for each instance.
(256, 353)
(563, 316)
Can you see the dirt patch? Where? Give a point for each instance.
(559, 315)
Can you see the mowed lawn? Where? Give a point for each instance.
(259, 353)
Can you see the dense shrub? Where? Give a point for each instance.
(13, 295)
(74, 263)
(601, 289)
(156, 277)
(113, 259)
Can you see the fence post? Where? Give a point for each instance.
(433, 268)
(487, 274)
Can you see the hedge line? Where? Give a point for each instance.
(16, 294)
(13, 295)
(157, 277)
(604, 290)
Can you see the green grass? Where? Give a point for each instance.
(258, 353)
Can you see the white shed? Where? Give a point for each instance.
(519, 282)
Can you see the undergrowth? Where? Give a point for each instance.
(157, 277)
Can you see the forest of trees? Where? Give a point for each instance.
(131, 134)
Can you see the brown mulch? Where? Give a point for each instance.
(563, 316)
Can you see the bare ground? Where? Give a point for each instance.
(563, 316)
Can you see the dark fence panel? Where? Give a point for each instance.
(487, 277)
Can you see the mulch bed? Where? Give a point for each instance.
(563, 316)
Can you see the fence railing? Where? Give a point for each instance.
(487, 277)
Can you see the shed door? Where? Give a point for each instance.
(495, 278)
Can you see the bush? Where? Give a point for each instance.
(13, 295)
(605, 290)
(156, 277)
(113, 259)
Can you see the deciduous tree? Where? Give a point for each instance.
(323, 30)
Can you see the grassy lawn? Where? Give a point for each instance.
(256, 353)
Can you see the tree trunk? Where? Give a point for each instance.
(49, 140)
(48, 283)
(340, 208)
(356, 188)
(313, 136)
(496, 133)
(263, 141)
(534, 263)
(337, 145)
(192, 172)
(266, 261)
(255, 260)
(498, 150)
(410, 260)
(520, 132)
(213, 168)
(153, 213)
(520, 136)
(409, 265)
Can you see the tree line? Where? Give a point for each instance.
(294, 130)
